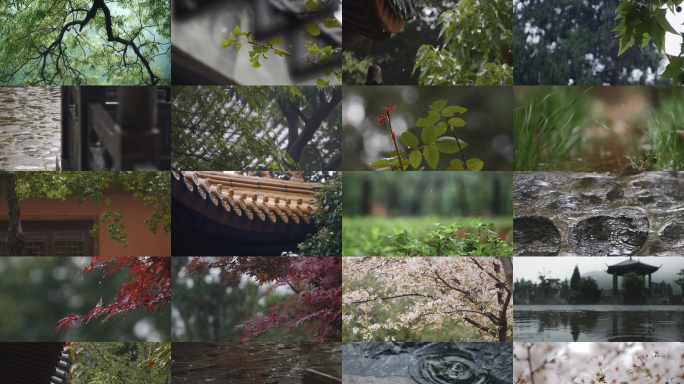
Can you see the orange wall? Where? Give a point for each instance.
(133, 213)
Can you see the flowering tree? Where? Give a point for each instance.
(472, 289)
(317, 282)
(149, 287)
(615, 363)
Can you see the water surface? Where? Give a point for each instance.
(29, 127)
(254, 363)
(585, 323)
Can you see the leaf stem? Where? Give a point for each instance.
(459, 147)
(396, 148)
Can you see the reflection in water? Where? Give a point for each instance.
(598, 323)
(243, 363)
(427, 363)
(29, 127)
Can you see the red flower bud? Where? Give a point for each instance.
(394, 137)
(381, 118)
(388, 110)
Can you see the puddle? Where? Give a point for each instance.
(29, 127)
(427, 363)
(256, 363)
(598, 214)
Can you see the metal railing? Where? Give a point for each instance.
(115, 129)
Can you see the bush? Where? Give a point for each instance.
(589, 288)
(328, 240)
(633, 283)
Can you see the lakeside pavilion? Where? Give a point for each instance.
(627, 266)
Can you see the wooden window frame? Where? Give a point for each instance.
(51, 226)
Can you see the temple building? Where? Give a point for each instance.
(222, 214)
(627, 266)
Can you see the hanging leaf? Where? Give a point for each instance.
(409, 139)
(431, 154)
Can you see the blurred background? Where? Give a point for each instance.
(376, 204)
(567, 42)
(37, 292)
(207, 308)
(646, 120)
(488, 129)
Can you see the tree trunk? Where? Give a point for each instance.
(16, 240)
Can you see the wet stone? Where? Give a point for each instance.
(672, 235)
(619, 232)
(427, 363)
(659, 194)
(535, 236)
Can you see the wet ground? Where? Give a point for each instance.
(267, 363)
(644, 323)
(427, 363)
(29, 127)
(598, 213)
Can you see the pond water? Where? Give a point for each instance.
(427, 363)
(598, 214)
(253, 363)
(643, 323)
(29, 128)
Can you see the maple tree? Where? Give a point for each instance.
(473, 290)
(149, 288)
(316, 281)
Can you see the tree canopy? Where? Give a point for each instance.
(267, 128)
(120, 363)
(81, 42)
(443, 45)
(573, 43)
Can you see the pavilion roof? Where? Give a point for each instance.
(631, 265)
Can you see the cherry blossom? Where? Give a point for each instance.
(472, 289)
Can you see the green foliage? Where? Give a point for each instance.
(315, 57)
(151, 187)
(633, 283)
(104, 363)
(467, 237)
(433, 128)
(328, 240)
(546, 129)
(589, 287)
(476, 51)
(353, 70)
(665, 147)
(240, 127)
(680, 281)
(642, 23)
(39, 47)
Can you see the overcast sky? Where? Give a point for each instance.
(562, 267)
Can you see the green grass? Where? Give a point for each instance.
(666, 148)
(387, 236)
(547, 128)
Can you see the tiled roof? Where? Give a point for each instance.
(255, 197)
(632, 265)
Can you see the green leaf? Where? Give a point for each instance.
(312, 5)
(431, 154)
(382, 163)
(321, 82)
(432, 118)
(237, 31)
(415, 157)
(474, 164)
(438, 105)
(674, 68)
(313, 29)
(456, 122)
(429, 134)
(441, 128)
(455, 165)
(331, 23)
(394, 154)
(409, 139)
(448, 144)
(449, 111)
